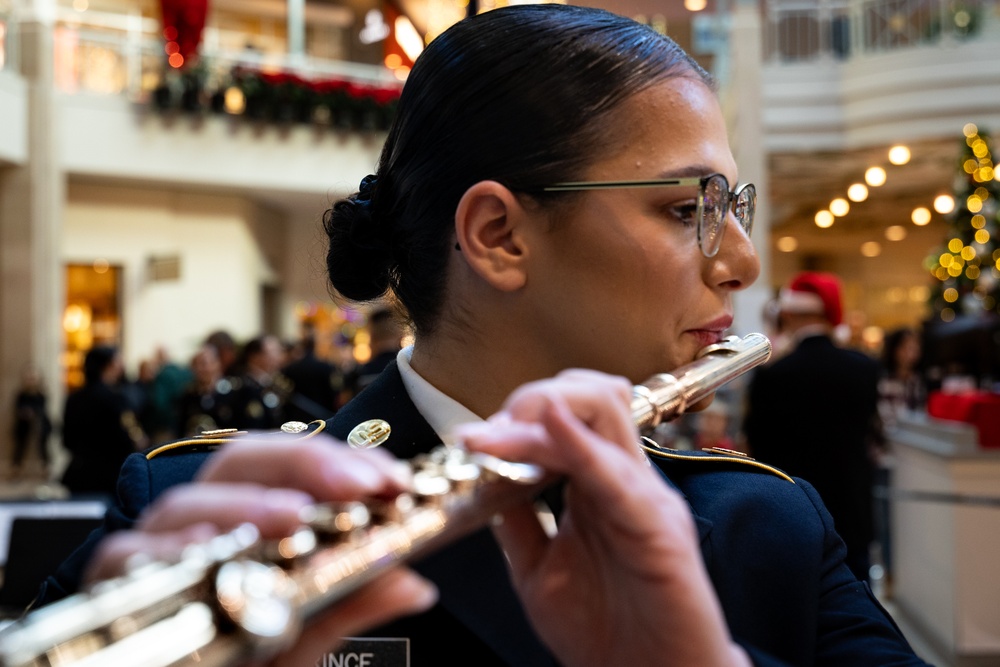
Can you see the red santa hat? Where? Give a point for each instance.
(813, 293)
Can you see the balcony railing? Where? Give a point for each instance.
(802, 30)
(123, 54)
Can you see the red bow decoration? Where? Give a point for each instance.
(183, 22)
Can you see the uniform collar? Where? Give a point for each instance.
(441, 411)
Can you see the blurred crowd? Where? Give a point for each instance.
(258, 384)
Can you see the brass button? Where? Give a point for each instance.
(371, 433)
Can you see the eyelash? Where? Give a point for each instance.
(684, 212)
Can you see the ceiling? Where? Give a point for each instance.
(805, 182)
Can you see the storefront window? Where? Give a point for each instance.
(92, 315)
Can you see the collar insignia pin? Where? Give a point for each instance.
(371, 433)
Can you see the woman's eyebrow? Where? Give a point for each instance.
(687, 172)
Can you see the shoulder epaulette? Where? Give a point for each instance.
(714, 455)
(211, 440)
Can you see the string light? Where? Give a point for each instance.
(858, 192)
(824, 219)
(787, 244)
(920, 216)
(895, 233)
(899, 155)
(944, 204)
(871, 249)
(839, 207)
(875, 176)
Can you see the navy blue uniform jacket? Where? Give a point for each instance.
(769, 544)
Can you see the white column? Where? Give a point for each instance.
(32, 197)
(296, 29)
(745, 112)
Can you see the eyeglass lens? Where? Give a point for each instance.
(715, 205)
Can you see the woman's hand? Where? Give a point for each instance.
(622, 582)
(268, 484)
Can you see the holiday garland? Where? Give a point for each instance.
(280, 97)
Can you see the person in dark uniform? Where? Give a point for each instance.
(386, 333)
(207, 403)
(556, 192)
(812, 412)
(31, 419)
(316, 384)
(99, 429)
(227, 349)
(260, 391)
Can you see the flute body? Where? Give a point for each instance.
(236, 597)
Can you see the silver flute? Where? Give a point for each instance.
(237, 597)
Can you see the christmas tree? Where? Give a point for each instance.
(968, 268)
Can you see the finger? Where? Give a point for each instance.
(118, 551)
(577, 451)
(592, 460)
(604, 471)
(276, 512)
(514, 441)
(397, 593)
(320, 466)
(600, 401)
(523, 539)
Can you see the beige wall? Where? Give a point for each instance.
(222, 266)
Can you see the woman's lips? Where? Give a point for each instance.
(712, 332)
(707, 337)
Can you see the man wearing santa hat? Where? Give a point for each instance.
(812, 412)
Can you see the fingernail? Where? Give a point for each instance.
(426, 597)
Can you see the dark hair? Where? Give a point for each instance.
(521, 95)
(96, 361)
(384, 325)
(890, 346)
(253, 347)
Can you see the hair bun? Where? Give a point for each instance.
(358, 259)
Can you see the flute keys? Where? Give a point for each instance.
(259, 598)
(520, 473)
(297, 545)
(430, 484)
(333, 520)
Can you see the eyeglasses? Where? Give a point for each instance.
(713, 204)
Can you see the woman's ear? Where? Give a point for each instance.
(489, 228)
